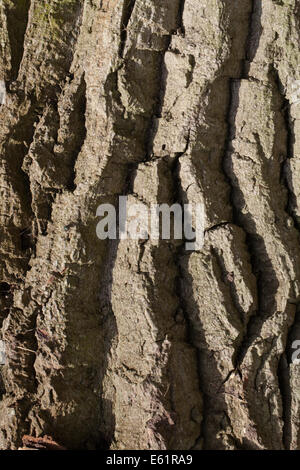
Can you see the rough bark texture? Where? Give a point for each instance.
(142, 344)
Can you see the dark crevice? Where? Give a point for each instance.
(180, 26)
(6, 300)
(128, 7)
(286, 177)
(286, 398)
(255, 31)
(216, 226)
(5, 289)
(78, 127)
(27, 239)
(159, 103)
(17, 19)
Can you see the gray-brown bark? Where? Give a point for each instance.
(141, 344)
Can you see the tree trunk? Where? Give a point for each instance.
(143, 344)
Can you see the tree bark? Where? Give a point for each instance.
(141, 344)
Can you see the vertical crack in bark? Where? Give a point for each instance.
(250, 51)
(128, 7)
(285, 171)
(159, 104)
(17, 19)
(78, 128)
(181, 28)
(255, 30)
(179, 254)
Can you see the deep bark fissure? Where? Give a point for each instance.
(17, 19)
(128, 7)
(77, 122)
(250, 50)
